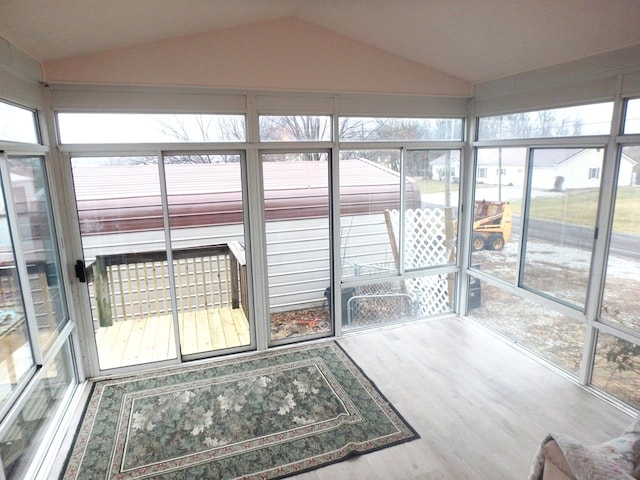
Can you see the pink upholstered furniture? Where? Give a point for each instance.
(555, 465)
(562, 457)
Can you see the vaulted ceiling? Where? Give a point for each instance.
(474, 40)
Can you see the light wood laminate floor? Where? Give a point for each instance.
(480, 405)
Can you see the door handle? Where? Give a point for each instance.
(81, 271)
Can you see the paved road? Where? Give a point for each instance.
(622, 245)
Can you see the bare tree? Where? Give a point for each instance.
(177, 128)
(362, 130)
(204, 128)
(543, 123)
(296, 128)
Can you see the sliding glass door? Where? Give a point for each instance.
(397, 224)
(119, 204)
(206, 220)
(561, 222)
(163, 246)
(617, 358)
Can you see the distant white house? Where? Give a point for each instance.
(504, 166)
(553, 168)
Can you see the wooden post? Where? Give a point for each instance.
(394, 244)
(392, 237)
(235, 292)
(101, 286)
(449, 232)
(236, 262)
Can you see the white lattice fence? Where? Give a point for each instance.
(426, 244)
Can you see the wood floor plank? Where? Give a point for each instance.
(117, 351)
(203, 331)
(135, 340)
(159, 342)
(149, 347)
(242, 326)
(119, 333)
(164, 347)
(218, 340)
(229, 328)
(188, 332)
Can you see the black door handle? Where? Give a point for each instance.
(81, 271)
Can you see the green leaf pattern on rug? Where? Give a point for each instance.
(178, 423)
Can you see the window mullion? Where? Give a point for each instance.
(604, 224)
(162, 179)
(401, 222)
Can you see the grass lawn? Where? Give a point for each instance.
(579, 208)
(433, 186)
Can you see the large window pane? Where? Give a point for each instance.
(617, 368)
(592, 119)
(371, 230)
(381, 129)
(561, 221)
(15, 355)
(295, 128)
(18, 124)
(24, 434)
(500, 178)
(150, 128)
(121, 223)
(369, 187)
(204, 196)
(370, 210)
(632, 117)
(550, 334)
(621, 303)
(296, 202)
(32, 204)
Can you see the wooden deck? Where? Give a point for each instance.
(151, 339)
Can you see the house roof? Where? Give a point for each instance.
(555, 156)
(514, 156)
(517, 156)
(543, 156)
(126, 198)
(506, 156)
(486, 156)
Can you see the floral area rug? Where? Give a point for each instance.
(261, 416)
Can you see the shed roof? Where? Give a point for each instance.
(126, 198)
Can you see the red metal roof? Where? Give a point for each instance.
(126, 198)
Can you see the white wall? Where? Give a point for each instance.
(282, 54)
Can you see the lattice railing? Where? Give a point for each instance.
(428, 242)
